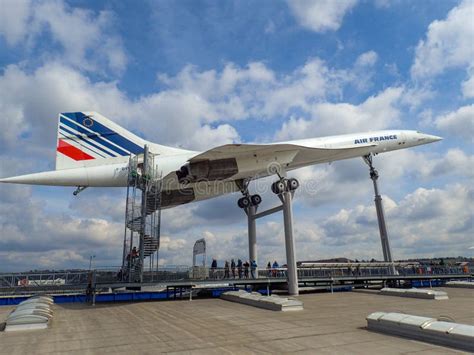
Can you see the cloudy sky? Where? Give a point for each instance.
(196, 74)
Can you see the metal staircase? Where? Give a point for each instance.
(142, 218)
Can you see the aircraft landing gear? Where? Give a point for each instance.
(256, 200)
(249, 203)
(78, 190)
(282, 185)
(387, 253)
(285, 189)
(249, 200)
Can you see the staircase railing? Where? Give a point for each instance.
(142, 216)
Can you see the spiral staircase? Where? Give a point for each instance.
(142, 220)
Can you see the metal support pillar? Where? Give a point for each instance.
(387, 253)
(286, 199)
(251, 211)
(144, 186)
(285, 189)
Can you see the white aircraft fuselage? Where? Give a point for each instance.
(226, 164)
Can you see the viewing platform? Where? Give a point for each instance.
(184, 282)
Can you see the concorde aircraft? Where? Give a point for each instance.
(93, 151)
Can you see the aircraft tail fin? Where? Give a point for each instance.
(88, 138)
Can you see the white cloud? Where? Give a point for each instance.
(333, 184)
(467, 86)
(347, 182)
(108, 204)
(86, 38)
(207, 137)
(367, 59)
(212, 84)
(13, 20)
(194, 101)
(426, 222)
(383, 4)
(448, 43)
(31, 102)
(458, 123)
(57, 258)
(257, 91)
(415, 96)
(187, 111)
(360, 76)
(454, 162)
(172, 244)
(52, 237)
(312, 82)
(377, 112)
(320, 15)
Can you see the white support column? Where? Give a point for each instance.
(387, 253)
(252, 231)
(286, 198)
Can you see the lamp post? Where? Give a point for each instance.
(90, 262)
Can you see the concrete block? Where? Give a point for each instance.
(463, 332)
(33, 313)
(460, 336)
(255, 299)
(460, 284)
(415, 293)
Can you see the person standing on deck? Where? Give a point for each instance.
(213, 268)
(232, 266)
(226, 270)
(253, 269)
(239, 268)
(246, 269)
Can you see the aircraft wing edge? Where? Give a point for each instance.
(233, 150)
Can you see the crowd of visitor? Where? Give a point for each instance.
(241, 269)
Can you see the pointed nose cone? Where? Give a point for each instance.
(430, 138)
(424, 138)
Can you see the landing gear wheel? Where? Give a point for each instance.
(244, 202)
(278, 187)
(256, 200)
(293, 184)
(183, 175)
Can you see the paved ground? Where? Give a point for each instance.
(330, 324)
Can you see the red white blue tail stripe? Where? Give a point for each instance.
(84, 137)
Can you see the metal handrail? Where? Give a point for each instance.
(181, 272)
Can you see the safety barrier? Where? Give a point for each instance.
(42, 279)
(25, 283)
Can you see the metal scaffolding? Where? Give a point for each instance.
(142, 219)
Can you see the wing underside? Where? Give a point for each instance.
(242, 150)
(216, 171)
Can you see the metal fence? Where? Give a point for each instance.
(62, 279)
(45, 278)
(335, 271)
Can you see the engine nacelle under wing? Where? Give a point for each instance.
(208, 170)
